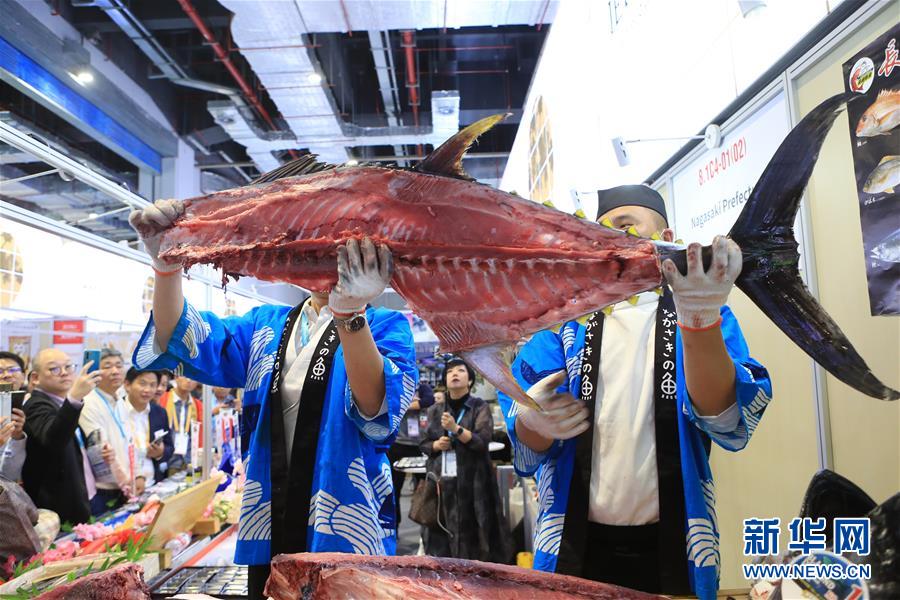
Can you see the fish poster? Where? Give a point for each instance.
(874, 77)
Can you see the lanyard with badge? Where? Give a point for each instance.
(137, 447)
(448, 457)
(113, 413)
(181, 436)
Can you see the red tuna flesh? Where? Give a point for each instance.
(336, 576)
(124, 582)
(479, 265)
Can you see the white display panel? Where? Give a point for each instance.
(663, 70)
(708, 193)
(64, 277)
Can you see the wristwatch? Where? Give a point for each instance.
(459, 431)
(352, 323)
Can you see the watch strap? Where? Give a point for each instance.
(341, 318)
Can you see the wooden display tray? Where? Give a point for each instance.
(180, 512)
(209, 526)
(149, 562)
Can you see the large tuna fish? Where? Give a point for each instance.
(485, 268)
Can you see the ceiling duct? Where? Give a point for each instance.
(260, 144)
(131, 26)
(272, 35)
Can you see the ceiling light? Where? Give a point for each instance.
(93, 216)
(82, 76)
(314, 78)
(751, 7)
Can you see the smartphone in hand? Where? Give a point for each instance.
(91, 355)
(18, 399)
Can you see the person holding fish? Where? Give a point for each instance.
(325, 386)
(621, 450)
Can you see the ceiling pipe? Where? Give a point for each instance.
(412, 82)
(543, 15)
(493, 155)
(346, 18)
(382, 56)
(466, 48)
(222, 55)
(143, 38)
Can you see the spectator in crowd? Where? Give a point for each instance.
(100, 413)
(410, 434)
(224, 398)
(30, 381)
(182, 410)
(13, 445)
(165, 376)
(148, 430)
(12, 434)
(440, 395)
(57, 474)
(471, 524)
(12, 370)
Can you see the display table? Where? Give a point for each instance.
(205, 567)
(414, 465)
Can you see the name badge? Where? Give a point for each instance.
(412, 426)
(181, 443)
(448, 463)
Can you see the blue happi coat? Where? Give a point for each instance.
(549, 352)
(352, 482)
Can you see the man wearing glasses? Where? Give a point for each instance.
(100, 413)
(57, 474)
(12, 434)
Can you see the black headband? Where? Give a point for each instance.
(631, 195)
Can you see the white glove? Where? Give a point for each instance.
(563, 416)
(151, 222)
(699, 295)
(363, 273)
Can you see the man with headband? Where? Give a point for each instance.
(631, 400)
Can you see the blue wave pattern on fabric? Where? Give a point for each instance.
(549, 352)
(352, 482)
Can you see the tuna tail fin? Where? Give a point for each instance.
(770, 277)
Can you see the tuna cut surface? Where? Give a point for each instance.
(125, 582)
(337, 576)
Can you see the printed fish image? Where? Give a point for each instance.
(485, 268)
(885, 177)
(888, 249)
(882, 116)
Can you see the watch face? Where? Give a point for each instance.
(356, 323)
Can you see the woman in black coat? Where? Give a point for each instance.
(456, 443)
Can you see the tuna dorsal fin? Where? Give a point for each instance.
(447, 158)
(301, 166)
